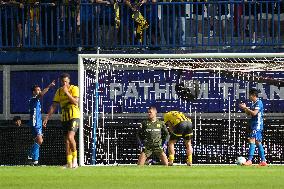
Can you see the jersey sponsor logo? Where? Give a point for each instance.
(150, 130)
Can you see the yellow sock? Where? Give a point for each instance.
(171, 157)
(69, 158)
(189, 159)
(74, 154)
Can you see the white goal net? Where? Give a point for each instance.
(117, 89)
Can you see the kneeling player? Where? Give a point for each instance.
(180, 127)
(151, 135)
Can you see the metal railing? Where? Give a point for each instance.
(163, 25)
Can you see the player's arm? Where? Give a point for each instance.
(251, 112)
(128, 3)
(140, 135)
(165, 134)
(72, 99)
(45, 90)
(50, 112)
(102, 2)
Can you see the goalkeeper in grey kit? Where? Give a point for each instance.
(152, 137)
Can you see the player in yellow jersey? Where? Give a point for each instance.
(68, 98)
(180, 126)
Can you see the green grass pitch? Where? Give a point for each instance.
(133, 177)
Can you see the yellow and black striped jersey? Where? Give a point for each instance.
(175, 117)
(69, 111)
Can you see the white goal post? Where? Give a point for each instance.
(225, 63)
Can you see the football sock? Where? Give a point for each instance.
(35, 151)
(74, 154)
(189, 159)
(261, 152)
(69, 159)
(171, 157)
(251, 151)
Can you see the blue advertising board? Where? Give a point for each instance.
(133, 91)
(21, 85)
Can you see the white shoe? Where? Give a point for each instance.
(67, 166)
(75, 163)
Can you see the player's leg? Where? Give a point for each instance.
(69, 156)
(163, 158)
(73, 148)
(251, 151)
(188, 152)
(142, 158)
(172, 142)
(188, 134)
(260, 148)
(72, 142)
(34, 153)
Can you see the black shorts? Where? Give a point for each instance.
(266, 7)
(198, 8)
(251, 8)
(182, 130)
(71, 125)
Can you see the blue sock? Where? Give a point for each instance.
(261, 152)
(251, 151)
(35, 151)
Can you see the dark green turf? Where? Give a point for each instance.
(133, 177)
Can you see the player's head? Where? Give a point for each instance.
(65, 79)
(36, 90)
(152, 112)
(253, 94)
(17, 121)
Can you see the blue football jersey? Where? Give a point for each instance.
(257, 120)
(35, 112)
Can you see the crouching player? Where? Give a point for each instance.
(152, 136)
(256, 127)
(180, 127)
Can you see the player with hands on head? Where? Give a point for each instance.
(68, 98)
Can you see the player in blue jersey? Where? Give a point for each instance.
(256, 127)
(36, 120)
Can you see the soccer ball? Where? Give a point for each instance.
(241, 160)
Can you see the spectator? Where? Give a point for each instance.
(249, 21)
(153, 33)
(20, 21)
(198, 11)
(181, 19)
(32, 22)
(140, 22)
(87, 11)
(223, 13)
(279, 19)
(168, 22)
(8, 19)
(107, 35)
(17, 121)
(238, 12)
(67, 24)
(265, 12)
(48, 18)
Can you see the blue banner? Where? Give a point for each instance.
(21, 88)
(133, 91)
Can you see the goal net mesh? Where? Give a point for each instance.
(116, 91)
